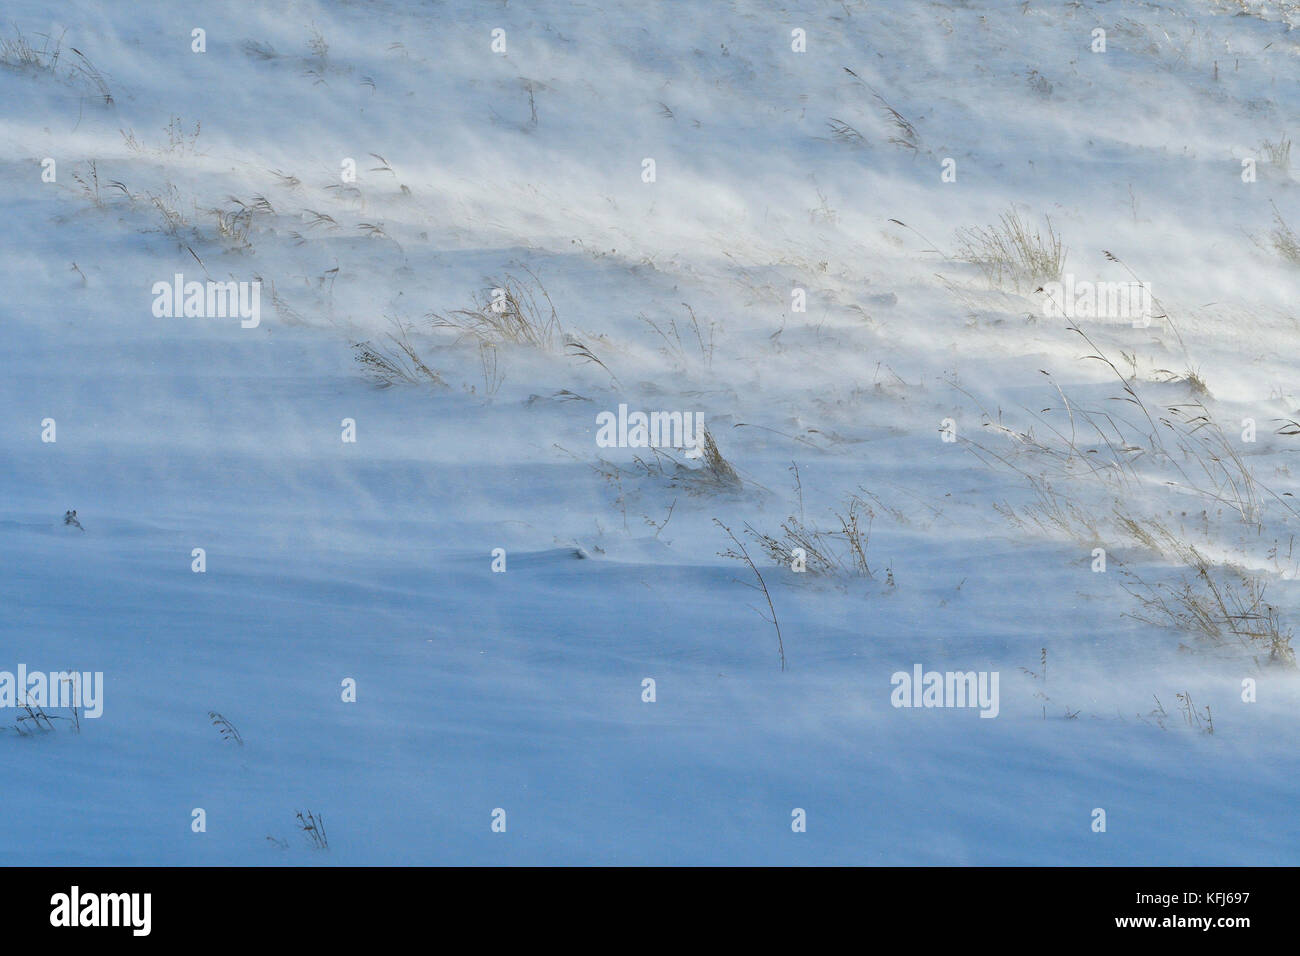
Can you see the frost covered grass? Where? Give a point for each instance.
(1013, 251)
(1285, 240)
(511, 312)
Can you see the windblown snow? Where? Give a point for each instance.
(637, 433)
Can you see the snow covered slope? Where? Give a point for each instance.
(463, 231)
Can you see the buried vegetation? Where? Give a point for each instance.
(1099, 475)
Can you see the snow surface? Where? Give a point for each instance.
(329, 560)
